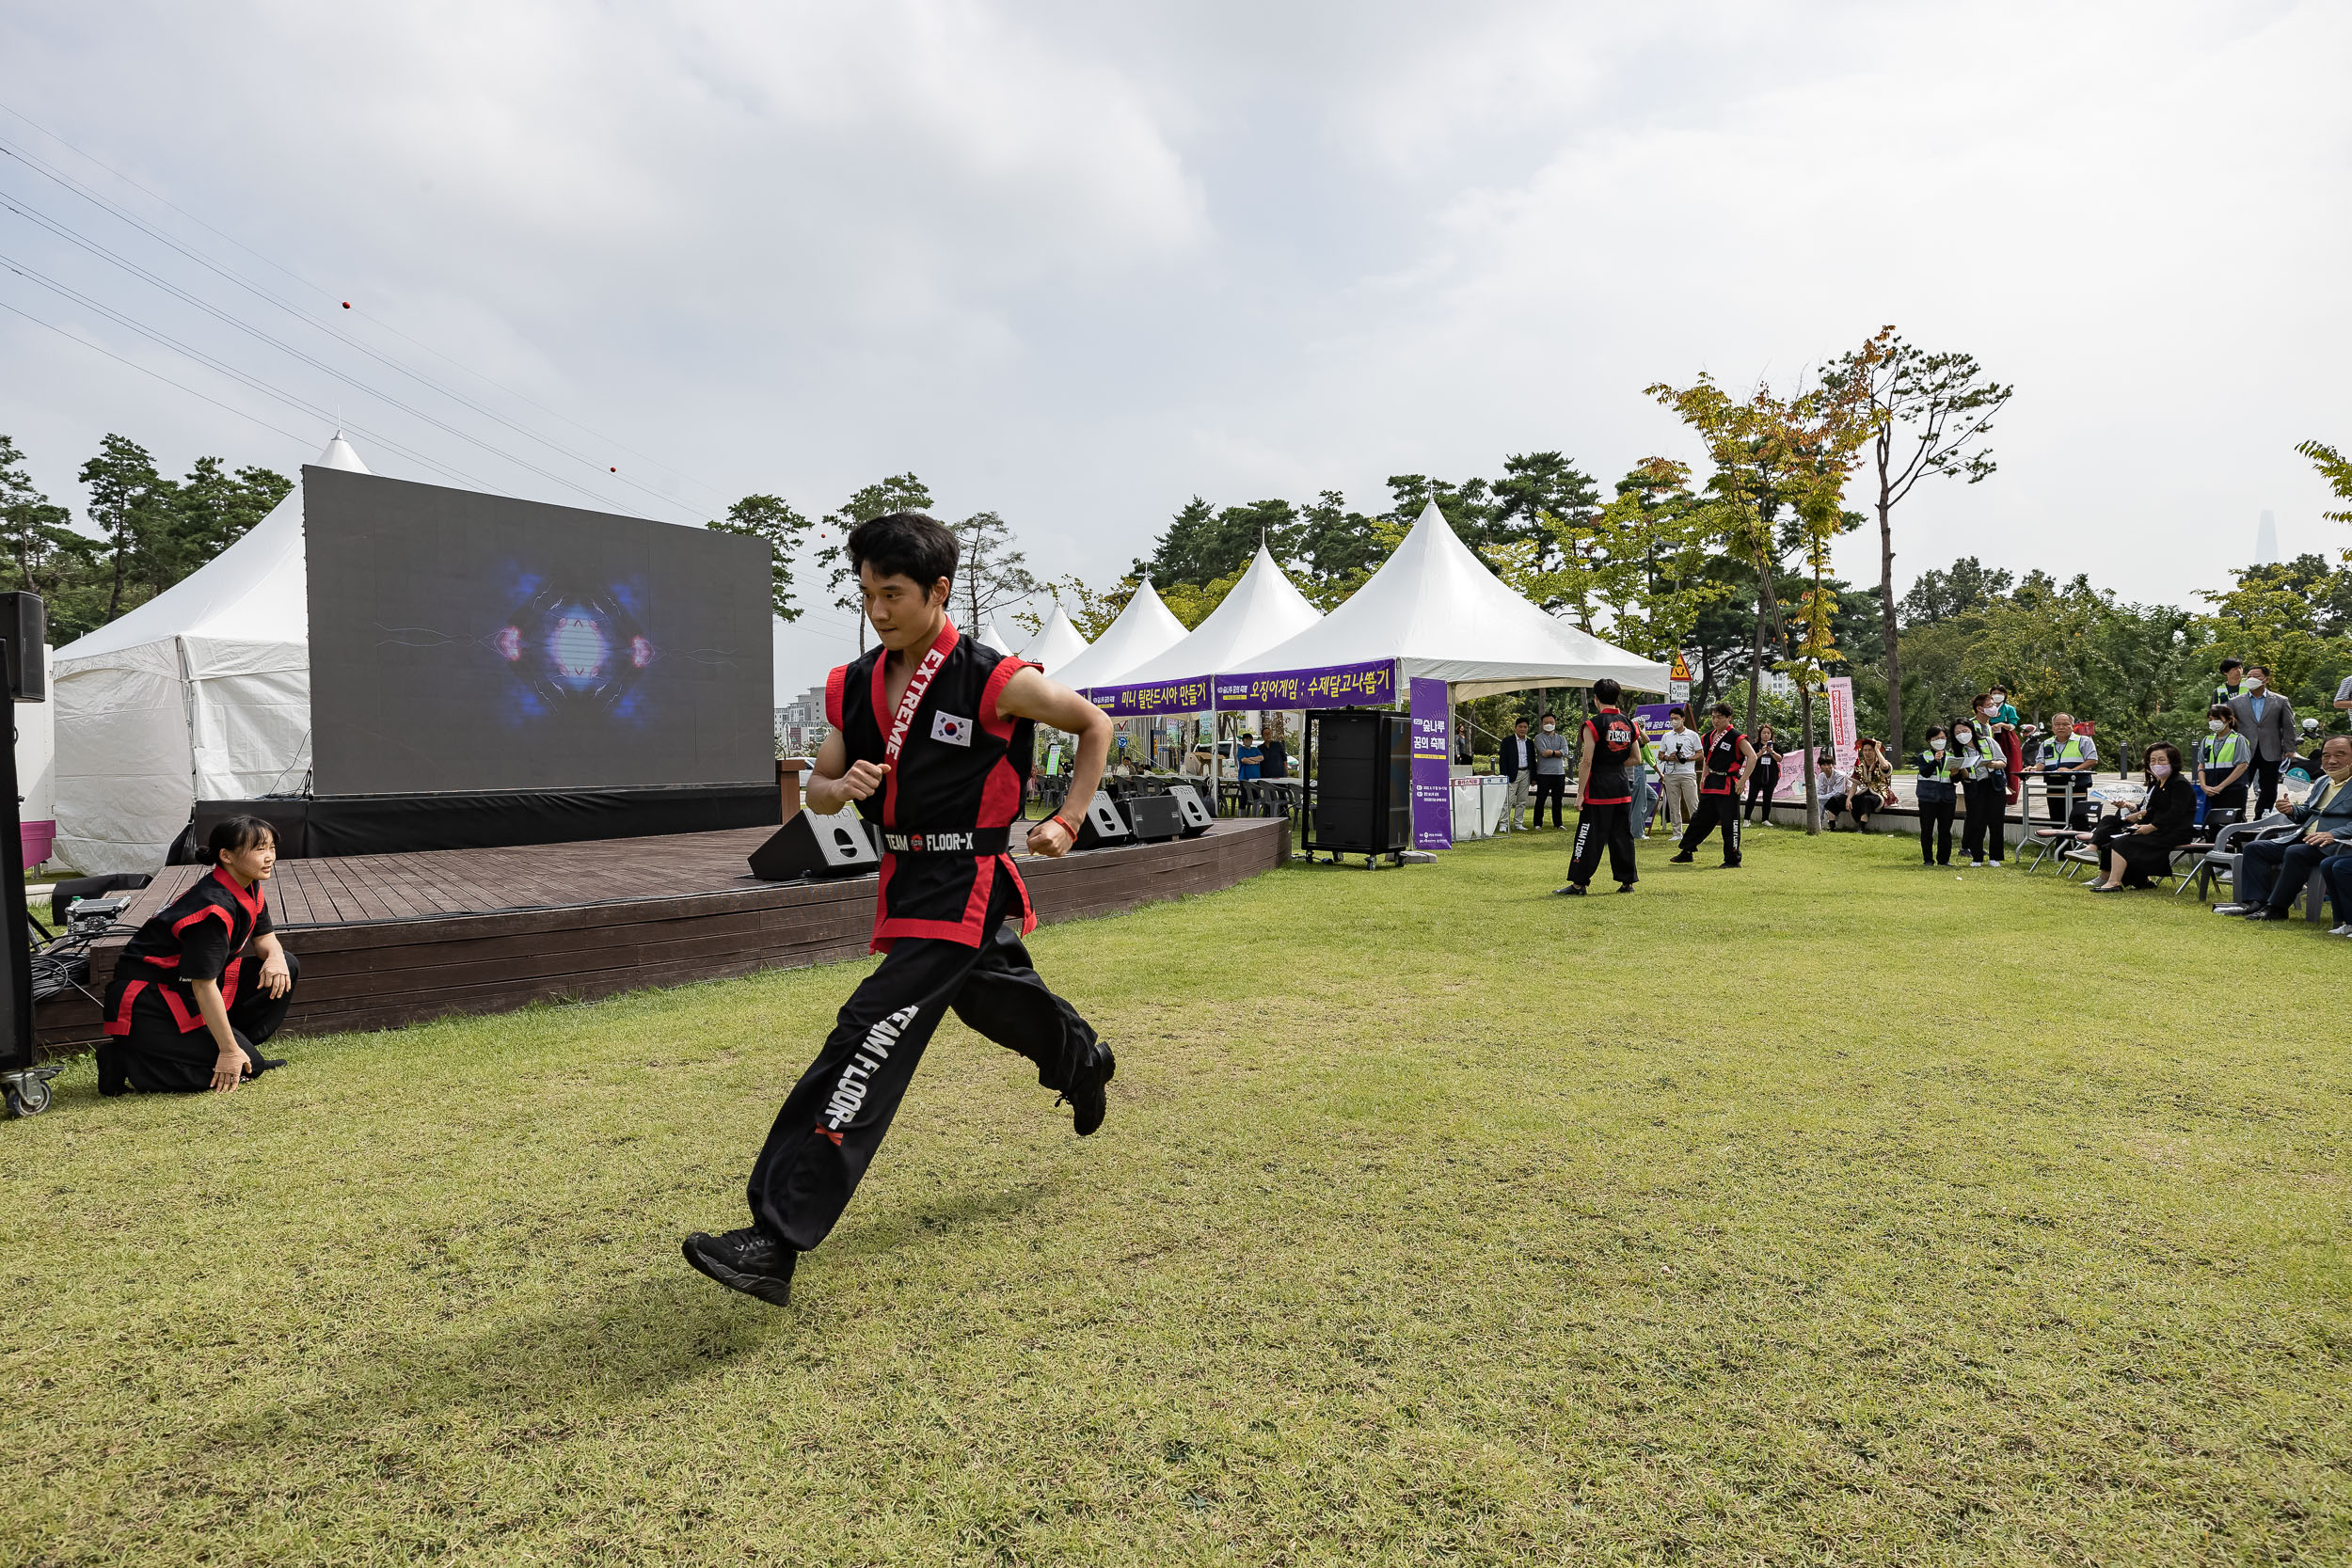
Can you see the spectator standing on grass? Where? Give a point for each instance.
(1678, 769)
(2272, 873)
(1938, 799)
(1250, 761)
(1277, 760)
(2223, 758)
(1551, 770)
(2136, 845)
(1518, 765)
(1872, 785)
(2267, 720)
(1981, 768)
(2004, 712)
(2233, 681)
(2066, 760)
(1763, 779)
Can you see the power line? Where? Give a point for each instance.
(49, 171)
(119, 359)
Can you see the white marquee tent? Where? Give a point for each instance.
(1440, 614)
(1144, 628)
(993, 636)
(1263, 609)
(203, 692)
(1055, 644)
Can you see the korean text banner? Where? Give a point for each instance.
(1192, 695)
(1332, 686)
(1433, 757)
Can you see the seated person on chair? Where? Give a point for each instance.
(204, 984)
(2136, 845)
(2271, 874)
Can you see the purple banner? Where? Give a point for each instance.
(1194, 694)
(1432, 766)
(1332, 686)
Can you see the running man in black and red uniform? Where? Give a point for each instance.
(1726, 756)
(931, 738)
(1604, 795)
(205, 983)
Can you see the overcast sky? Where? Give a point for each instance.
(1077, 263)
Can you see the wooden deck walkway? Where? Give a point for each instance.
(387, 939)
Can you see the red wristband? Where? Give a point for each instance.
(1067, 824)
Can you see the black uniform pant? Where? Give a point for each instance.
(156, 1057)
(1988, 811)
(839, 1113)
(1715, 810)
(2264, 775)
(1936, 832)
(1598, 824)
(1552, 788)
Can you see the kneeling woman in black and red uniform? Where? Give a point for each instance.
(204, 983)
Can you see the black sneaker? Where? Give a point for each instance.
(1679, 860)
(1625, 887)
(2264, 912)
(1574, 890)
(1085, 1093)
(749, 1260)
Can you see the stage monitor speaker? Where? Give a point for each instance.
(837, 846)
(24, 627)
(1101, 825)
(1155, 818)
(1196, 811)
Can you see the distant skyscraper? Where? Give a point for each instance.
(2266, 541)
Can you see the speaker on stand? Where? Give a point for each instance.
(1194, 811)
(1155, 818)
(817, 846)
(1101, 825)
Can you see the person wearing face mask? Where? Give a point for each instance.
(1977, 764)
(1938, 799)
(2222, 760)
(2135, 847)
(1551, 770)
(1678, 770)
(2004, 712)
(2267, 720)
(2272, 873)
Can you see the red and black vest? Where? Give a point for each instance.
(958, 774)
(200, 935)
(1613, 740)
(1721, 752)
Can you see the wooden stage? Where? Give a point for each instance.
(385, 940)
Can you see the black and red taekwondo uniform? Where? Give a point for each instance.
(1605, 811)
(156, 1041)
(1718, 800)
(949, 913)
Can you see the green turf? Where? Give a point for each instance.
(1830, 1211)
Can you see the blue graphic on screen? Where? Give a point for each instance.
(574, 647)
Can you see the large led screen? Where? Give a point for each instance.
(464, 641)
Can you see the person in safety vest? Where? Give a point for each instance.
(931, 739)
(2066, 760)
(1604, 793)
(1724, 757)
(2223, 758)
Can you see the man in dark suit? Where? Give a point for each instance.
(1518, 770)
(2267, 720)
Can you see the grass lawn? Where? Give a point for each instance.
(1830, 1211)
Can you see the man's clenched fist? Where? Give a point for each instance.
(862, 780)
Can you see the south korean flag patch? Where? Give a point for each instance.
(954, 731)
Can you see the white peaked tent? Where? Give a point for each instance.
(203, 692)
(1055, 644)
(1144, 628)
(1263, 609)
(993, 636)
(1436, 611)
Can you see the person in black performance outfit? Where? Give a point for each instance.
(930, 738)
(1724, 757)
(205, 983)
(1763, 779)
(1604, 795)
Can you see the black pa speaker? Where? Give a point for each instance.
(1101, 825)
(837, 846)
(24, 627)
(1155, 818)
(1196, 811)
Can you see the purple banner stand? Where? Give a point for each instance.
(1433, 773)
(1332, 685)
(1653, 717)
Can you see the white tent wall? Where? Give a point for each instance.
(123, 787)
